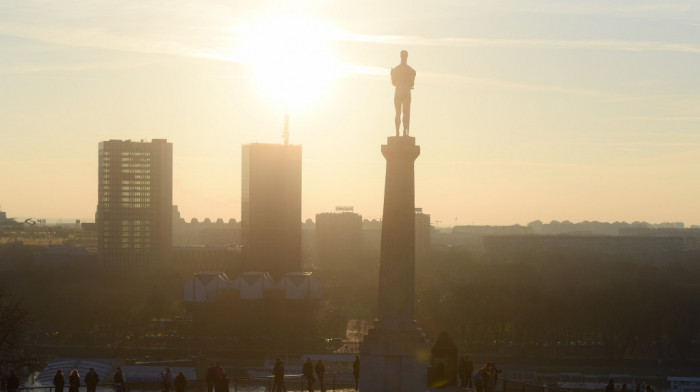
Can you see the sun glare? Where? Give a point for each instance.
(291, 58)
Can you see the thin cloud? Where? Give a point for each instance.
(634, 9)
(645, 164)
(660, 144)
(479, 81)
(350, 68)
(621, 45)
(668, 118)
(101, 39)
(529, 164)
(25, 69)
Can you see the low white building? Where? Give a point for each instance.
(254, 285)
(300, 285)
(206, 286)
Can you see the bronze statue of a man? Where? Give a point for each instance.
(403, 76)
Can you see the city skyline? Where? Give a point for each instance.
(526, 111)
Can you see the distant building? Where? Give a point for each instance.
(372, 234)
(650, 249)
(308, 243)
(271, 208)
(423, 230)
(491, 230)
(6, 223)
(338, 237)
(658, 232)
(205, 233)
(205, 258)
(134, 208)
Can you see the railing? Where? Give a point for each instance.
(519, 386)
(292, 382)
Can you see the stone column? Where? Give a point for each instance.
(398, 250)
(394, 354)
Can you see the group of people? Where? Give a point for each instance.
(308, 371)
(119, 379)
(465, 369)
(216, 378)
(483, 379)
(167, 381)
(91, 380)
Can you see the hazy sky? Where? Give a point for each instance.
(524, 110)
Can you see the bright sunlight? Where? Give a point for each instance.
(291, 58)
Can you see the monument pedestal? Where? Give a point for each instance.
(394, 360)
(394, 354)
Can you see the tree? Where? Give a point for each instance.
(13, 320)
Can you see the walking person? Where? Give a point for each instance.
(166, 381)
(219, 378)
(469, 372)
(119, 380)
(356, 370)
(320, 371)
(491, 374)
(308, 371)
(73, 381)
(278, 373)
(59, 381)
(224, 383)
(462, 371)
(180, 382)
(12, 382)
(611, 386)
(211, 377)
(480, 379)
(91, 380)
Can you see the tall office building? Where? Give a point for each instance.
(271, 208)
(134, 208)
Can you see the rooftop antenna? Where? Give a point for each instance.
(285, 133)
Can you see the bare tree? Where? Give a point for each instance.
(13, 320)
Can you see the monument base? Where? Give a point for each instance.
(394, 360)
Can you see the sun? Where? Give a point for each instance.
(291, 57)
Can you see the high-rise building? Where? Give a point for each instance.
(338, 237)
(271, 208)
(134, 208)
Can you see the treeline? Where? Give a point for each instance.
(594, 306)
(598, 307)
(78, 305)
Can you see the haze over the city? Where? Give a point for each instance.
(524, 110)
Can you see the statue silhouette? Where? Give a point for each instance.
(403, 76)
